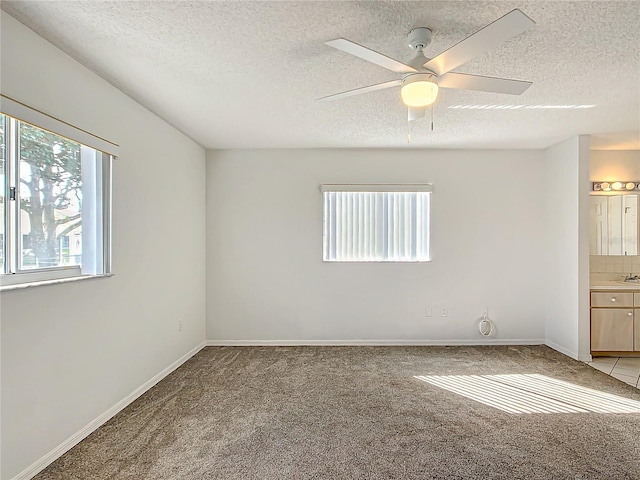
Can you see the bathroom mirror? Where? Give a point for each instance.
(614, 224)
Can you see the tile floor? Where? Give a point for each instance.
(625, 369)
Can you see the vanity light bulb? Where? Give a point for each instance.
(630, 186)
(606, 186)
(617, 185)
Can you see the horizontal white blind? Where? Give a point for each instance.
(39, 119)
(374, 226)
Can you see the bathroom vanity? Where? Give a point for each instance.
(615, 248)
(615, 318)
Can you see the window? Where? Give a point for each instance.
(55, 192)
(376, 223)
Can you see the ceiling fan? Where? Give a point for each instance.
(421, 76)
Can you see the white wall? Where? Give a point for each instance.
(611, 165)
(72, 351)
(566, 189)
(266, 282)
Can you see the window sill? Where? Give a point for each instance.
(20, 286)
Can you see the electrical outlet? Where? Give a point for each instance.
(445, 312)
(179, 325)
(429, 312)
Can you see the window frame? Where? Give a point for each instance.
(11, 273)
(378, 188)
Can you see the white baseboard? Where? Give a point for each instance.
(358, 342)
(585, 358)
(84, 432)
(562, 350)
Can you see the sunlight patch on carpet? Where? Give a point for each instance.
(532, 393)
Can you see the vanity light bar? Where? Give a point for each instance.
(617, 186)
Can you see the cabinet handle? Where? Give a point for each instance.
(630, 314)
(613, 299)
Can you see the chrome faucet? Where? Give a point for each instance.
(631, 278)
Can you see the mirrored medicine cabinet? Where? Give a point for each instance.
(614, 224)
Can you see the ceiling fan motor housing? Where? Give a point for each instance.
(420, 77)
(419, 38)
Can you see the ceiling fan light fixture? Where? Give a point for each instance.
(419, 90)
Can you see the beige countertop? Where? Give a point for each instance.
(614, 285)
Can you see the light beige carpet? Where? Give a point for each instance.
(358, 413)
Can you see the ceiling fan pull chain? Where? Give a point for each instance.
(432, 118)
(408, 131)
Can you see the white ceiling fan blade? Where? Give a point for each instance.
(504, 28)
(484, 84)
(370, 55)
(416, 112)
(358, 91)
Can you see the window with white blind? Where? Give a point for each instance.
(376, 223)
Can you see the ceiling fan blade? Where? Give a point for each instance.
(484, 84)
(504, 28)
(416, 112)
(358, 91)
(370, 55)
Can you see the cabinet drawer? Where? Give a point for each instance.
(612, 299)
(612, 329)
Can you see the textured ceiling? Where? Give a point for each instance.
(245, 74)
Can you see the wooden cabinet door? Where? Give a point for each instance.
(636, 328)
(612, 329)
